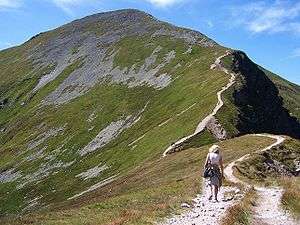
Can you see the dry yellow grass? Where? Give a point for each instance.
(152, 191)
(291, 196)
(240, 213)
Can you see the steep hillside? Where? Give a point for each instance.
(86, 104)
(151, 191)
(290, 93)
(256, 102)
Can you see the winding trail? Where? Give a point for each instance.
(228, 171)
(268, 209)
(201, 126)
(204, 212)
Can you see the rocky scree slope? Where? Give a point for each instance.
(82, 104)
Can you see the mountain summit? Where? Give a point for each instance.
(84, 105)
(91, 39)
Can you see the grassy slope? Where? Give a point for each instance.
(110, 103)
(253, 170)
(289, 92)
(291, 195)
(152, 190)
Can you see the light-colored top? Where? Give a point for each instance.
(214, 158)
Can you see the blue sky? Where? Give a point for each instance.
(268, 31)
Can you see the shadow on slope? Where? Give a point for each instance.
(254, 105)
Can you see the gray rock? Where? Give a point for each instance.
(9, 175)
(91, 40)
(44, 136)
(92, 172)
(185, 205)
(216, 129)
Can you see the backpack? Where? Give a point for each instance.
(208, 172)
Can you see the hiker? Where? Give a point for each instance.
(213, 168)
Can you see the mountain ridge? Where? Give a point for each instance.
(83, 104)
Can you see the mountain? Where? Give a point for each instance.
(90, 106)
(260, 98)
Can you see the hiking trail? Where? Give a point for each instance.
(268, 210)
(201, 126)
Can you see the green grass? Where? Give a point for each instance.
(290, 93)
(203, 138)
(291, 196)
(110, 103)
(148, 192)
(254, 169)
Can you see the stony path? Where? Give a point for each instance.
(268, 210)
(201, 126)
(204, 212)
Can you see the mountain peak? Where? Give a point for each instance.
(92, 106)
(119, 16)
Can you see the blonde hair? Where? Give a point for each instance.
(214, 149)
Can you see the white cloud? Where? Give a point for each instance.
(67, 5)
(164, 3)
(280, 16)
(10, 4)
(296, 53)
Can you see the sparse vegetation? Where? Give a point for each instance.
(291, 196)
(146, 187)
(148, 192)
(241, 213)
(269, 166)
(289, 93)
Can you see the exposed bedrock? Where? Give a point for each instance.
(258, 101)
(91, 40)
(216, 129)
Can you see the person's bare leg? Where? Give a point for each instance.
(216, 190)
(211, 192)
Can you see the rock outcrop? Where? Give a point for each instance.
(258, 101)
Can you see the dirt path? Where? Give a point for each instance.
(201, 126)
(228, 171)
(268, 209)
(203, 211)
